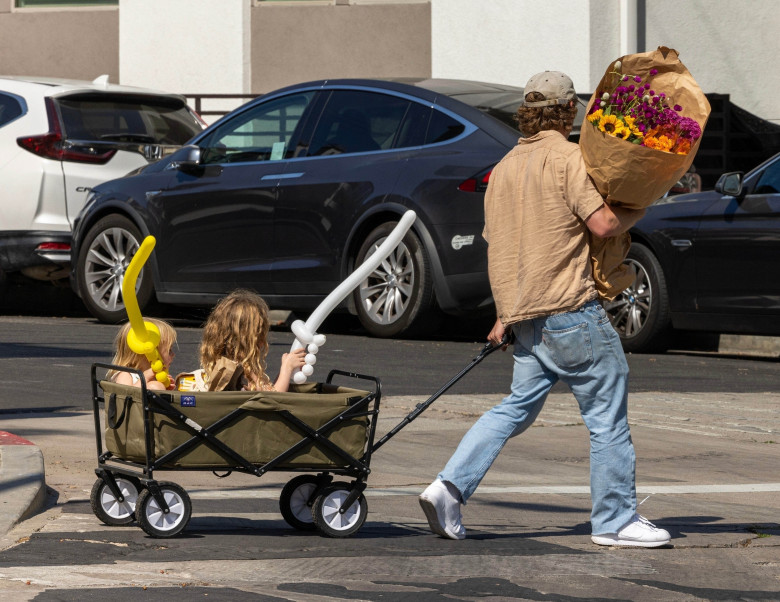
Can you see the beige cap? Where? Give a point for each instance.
(556, 87)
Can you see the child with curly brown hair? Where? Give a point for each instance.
(235, 344)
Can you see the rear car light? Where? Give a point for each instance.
(52, 145)
(53, 246)
(478, 183)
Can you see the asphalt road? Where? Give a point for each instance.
(48, 343)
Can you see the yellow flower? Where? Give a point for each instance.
(631, 126)
(595, 116)
(611, 125)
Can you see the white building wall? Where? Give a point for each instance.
(185, 46)
(507, 41)
(729, 46)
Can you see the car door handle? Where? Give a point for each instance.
(282, 176)
(682, 243)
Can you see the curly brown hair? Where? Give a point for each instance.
(532, 120)
(237, 329)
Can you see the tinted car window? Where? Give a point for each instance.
(443, 127)
(10, 109)
(262, 133)
(355, 122)
(127, 118)
(413, 127)
(769, 183)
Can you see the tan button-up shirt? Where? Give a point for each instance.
(536, 203)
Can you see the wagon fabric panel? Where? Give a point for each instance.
(260, 432)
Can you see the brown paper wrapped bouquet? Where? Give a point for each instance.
(642, 130)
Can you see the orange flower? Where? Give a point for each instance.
(661, 143)
(683, 146)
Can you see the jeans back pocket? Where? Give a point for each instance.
(569, 348)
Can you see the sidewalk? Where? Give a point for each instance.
(22, 480)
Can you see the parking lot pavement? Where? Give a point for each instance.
(706, 471)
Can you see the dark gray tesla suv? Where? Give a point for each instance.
(288, 193)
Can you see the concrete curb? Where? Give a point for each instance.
(22, 480)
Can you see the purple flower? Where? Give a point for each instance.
(651, 92)
(653, 71)
(637, 79)
(625, 78)
(677, 108)
(689, 128)
(631, 88)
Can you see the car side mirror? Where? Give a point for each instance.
(730, 183)
(186, 159)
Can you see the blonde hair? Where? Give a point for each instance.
(124, 356)
(532, 120)
(237, 329)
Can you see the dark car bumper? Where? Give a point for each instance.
(21, 249)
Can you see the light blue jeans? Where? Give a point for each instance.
(583, 350)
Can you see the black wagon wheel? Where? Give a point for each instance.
(398, 295)
(108, 508)
(104, 255)
(296, 500)
(157, 523)
(640, 314)
(329, 520)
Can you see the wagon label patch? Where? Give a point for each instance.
(188, 401)
(459, 241)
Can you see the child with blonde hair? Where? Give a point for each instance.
(235, 345)
(124, 356)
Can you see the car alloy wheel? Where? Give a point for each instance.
(630, 309)
(640, 314)
(394, 298)
(105, 254)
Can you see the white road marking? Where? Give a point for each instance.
(218, 494)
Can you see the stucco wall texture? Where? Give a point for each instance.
(254, 46)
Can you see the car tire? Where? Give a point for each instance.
(640, 314)
(398, 295)
(104, 255)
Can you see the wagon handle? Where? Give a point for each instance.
(421, 407)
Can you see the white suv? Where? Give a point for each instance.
(58, 139)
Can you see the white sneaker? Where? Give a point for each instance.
(441, 504)
(639, 532)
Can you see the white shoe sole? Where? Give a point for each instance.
(608, 541)
(433, 519)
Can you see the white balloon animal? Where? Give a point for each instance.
(306, 333)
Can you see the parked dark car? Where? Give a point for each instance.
(707, 261)
(287, 194)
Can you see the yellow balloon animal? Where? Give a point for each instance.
(144, 337)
